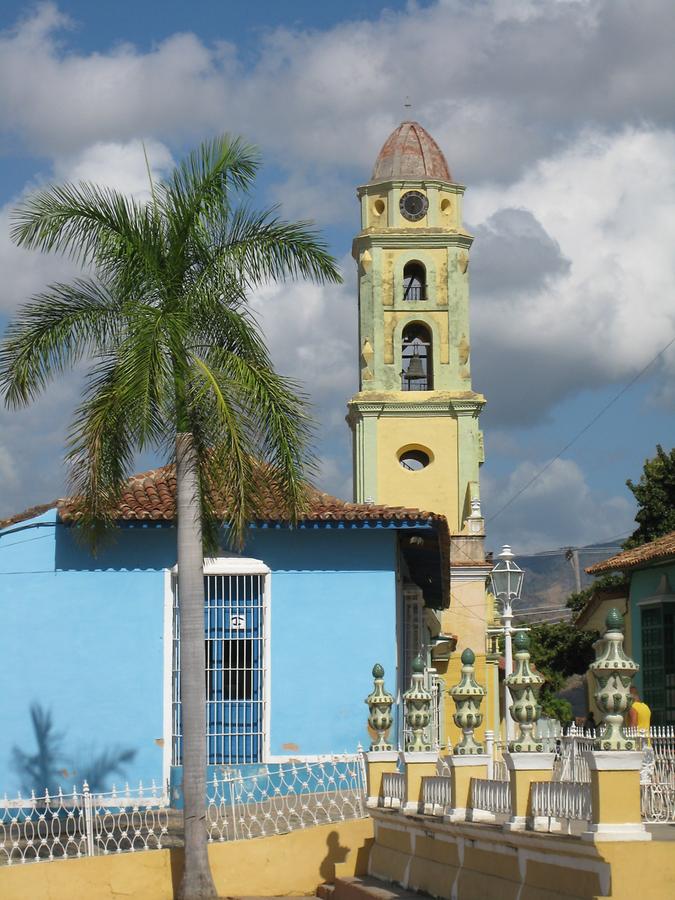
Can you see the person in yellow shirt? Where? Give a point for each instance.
(639, 714)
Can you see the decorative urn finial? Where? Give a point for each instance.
(468, 696)
(379, 709)
(417, 707)
(524, 686)
(613, 672)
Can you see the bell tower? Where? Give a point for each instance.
(414, 421)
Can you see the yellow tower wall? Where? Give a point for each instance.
(433, 488)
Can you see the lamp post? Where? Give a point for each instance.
(506, 584)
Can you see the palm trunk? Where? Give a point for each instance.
(197, 883)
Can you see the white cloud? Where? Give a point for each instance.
(118, 165)
(121, 166)
(559, 509)
(602, 305)
(558, 115)
(501, 83)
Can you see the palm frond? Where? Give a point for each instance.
(258, 247)
(198, 191)
(53, 333)
(89, 223)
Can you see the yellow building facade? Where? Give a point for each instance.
(415, 420)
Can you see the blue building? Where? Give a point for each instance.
(293, 625)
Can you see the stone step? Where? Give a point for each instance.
(365, 887)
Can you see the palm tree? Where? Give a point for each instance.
(177, 364)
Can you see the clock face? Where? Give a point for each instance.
(413, 205)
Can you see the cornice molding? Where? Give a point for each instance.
(454, 186)
(448, 407)
(469, 573)
(400, 240)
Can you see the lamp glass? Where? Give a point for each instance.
(507, 579)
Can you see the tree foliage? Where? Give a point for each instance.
(161, 315)
(577, 601)
(655, 495)
(559, 651)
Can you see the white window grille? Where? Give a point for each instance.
(417, 642)
(234, 636)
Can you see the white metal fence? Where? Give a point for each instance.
(570, 764)
(285, 797)
(657, 802)
(81, 823)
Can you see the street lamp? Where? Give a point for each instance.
(506, 584)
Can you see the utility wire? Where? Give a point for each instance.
(576, 437)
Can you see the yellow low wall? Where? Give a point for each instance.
(287, 864)
(482, 862)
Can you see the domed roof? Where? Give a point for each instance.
(410, 152)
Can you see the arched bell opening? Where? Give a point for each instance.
(417, 373)
(414, 281)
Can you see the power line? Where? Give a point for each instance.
(576, 437)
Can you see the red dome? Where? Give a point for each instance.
(410, 152)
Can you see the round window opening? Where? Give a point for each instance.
(379, 207)
(414, 460)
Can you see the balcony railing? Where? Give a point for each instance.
(415, 292)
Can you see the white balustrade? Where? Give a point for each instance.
(491, 796)
(436, 794)
(556, 800)
(393, 789)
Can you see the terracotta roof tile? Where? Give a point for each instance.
(151, 496)
(410, 151)
(29, 513)
(660, 549)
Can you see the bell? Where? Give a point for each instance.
(415, 370)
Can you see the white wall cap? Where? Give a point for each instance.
(381, 756)
(630, 831)
(475, 759)
(614, 760)
(420, 756)
(528, 762)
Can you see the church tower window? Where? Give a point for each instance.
(417, 373)
(414, 281)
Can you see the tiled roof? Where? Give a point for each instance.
(410, 151)
(30, 513)
(151, 496)
(661, 549)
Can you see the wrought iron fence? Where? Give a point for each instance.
(657, 802)
(81, 823)
(285, 797)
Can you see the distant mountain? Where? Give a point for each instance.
(549, 576)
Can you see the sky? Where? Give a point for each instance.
(558, 115)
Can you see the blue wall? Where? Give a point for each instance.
(83, 636)
(86, 643)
